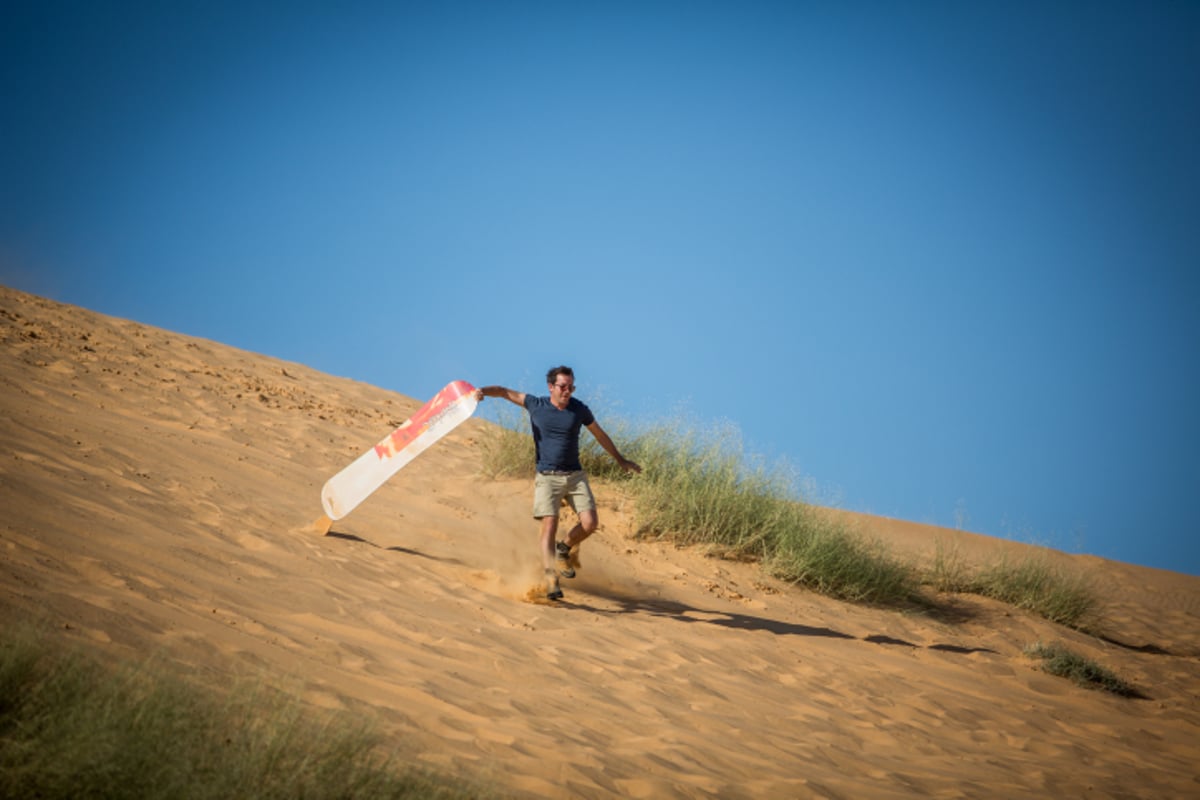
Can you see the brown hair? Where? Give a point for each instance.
(552, 375)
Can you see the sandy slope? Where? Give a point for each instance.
(157, 492)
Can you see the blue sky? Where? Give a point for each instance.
(940, 257)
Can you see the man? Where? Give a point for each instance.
(556, 421)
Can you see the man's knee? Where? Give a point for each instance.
(589, 521)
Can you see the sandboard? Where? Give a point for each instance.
(447, 410)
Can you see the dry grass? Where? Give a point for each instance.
(1058, 660)
(70, 727)
(1034, 583)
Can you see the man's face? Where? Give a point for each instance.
(561, 389)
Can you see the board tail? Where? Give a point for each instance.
(449, 408)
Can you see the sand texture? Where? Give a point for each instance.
(160, 495)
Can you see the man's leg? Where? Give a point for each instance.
(549, 534)
(584, 503)
(547, 495)
(547, 543)
(566, 552)
(588, 522)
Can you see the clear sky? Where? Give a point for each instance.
(941, 257)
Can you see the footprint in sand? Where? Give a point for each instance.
(461, 511)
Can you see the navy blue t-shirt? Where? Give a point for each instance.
(556, 433)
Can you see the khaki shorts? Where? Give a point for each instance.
(550, 490)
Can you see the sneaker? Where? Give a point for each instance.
(553, 591)
(563, 560)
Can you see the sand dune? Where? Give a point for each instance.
(158, 494)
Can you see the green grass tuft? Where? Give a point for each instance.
(70, 727)
(949, 572)
(1037, 585)
(826, 558)
(1033, 583)
(1058, 660)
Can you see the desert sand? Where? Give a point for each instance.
(158, 496)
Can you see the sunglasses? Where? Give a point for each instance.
(565, 387)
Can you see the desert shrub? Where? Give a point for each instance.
(1051, 591)
(1059, 660)
(1033, 583)
(949, 572)
(825, 557)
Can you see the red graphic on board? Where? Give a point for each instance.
(420, 422)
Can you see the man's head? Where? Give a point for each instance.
(553, 375)
(561, 381)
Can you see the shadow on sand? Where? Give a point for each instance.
(681, 612)
(408, 551)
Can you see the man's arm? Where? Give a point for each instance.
(611, 448)
(500, 391)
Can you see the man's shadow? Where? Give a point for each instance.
(681, 612)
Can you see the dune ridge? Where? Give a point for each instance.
(159, 493)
